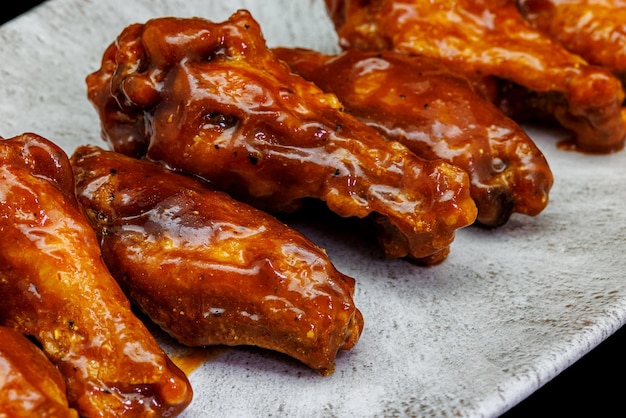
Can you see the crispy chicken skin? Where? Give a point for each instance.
(212, 270)
(490, 42)
(30, 385)
(593, 29)
(436, 113)
(210, 99)
(56, 288)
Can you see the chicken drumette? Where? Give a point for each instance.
(522, 70)
(56, 288)
(211, 270)
(436, 114)
(30, 385)
(593, 29)
(210, 99)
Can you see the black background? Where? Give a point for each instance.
(592, 387)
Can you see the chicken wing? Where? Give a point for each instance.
(593, 29)
(210, 99)
(491, 43)
(211, 270)
(30, 385)
(56, 288)
(436, 114)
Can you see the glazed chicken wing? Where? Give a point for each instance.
(211, 99)
(436, 114)
(56, 288)
(593, 29)
(491, 43)
(211, 270)
(30, 385)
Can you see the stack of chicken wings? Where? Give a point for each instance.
(219, 105)
(412, 127)
(522, 69)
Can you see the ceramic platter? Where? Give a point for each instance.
(471, 337)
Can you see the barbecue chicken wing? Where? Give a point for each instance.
(593, 29)
(212, 100)
(521, 69)
(56, 288)
(436, 114)
(211, 270)
(30, 385)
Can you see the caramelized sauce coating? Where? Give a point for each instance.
(485, 39)
(593, 29)
(56, 288)
(30, 385)
(211, 270)
(210, 99)
(436, 113)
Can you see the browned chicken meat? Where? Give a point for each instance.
(212, 270)
(30, 385)
(210, 99)
(56, 288)
(436, 113)
(519, 68)
(593, 29)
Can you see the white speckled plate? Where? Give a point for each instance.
(506, 312)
